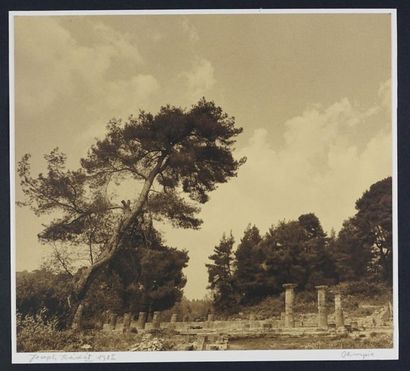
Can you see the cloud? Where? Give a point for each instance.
(54, 69)
(320, 168)
(126, 95)
(117, 44)
(190, 30)
(121, 98)
(51, 64)
(199, 80)
(40, 75)
(329, 157)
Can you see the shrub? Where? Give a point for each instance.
(305, 301)
(364, 288)
(43, 289)
(39, 333)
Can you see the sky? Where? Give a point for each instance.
(311, 91)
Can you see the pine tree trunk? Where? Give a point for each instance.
(115, 244)
(77, 322)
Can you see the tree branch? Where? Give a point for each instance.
(61, 260)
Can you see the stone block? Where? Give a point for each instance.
(142, 317)
(126, 324)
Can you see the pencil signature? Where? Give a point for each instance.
(352, 354)
(71, 357)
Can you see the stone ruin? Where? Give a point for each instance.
(214, 334)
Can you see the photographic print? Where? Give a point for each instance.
(203, 185)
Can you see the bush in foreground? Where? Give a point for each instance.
(36, 333)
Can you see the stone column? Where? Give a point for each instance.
(156, 321)
(113, 321)
(321, 306)
(77, 320)
(289, 299)
(126, 323)
(142, 317)
(339, 311)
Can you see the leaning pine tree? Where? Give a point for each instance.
(163, 156)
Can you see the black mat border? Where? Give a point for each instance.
(403, 22)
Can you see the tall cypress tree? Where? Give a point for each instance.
(249, 274)
(316, 252)
(220, 275)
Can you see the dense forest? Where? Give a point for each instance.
(299, 251)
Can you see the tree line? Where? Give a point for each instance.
(299, 251)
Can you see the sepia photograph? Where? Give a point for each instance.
(203, 185)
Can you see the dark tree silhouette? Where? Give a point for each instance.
(220, 275)
(364, 245)
(249, 276)
(351, 256)
(374, 222)
(293, 251)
